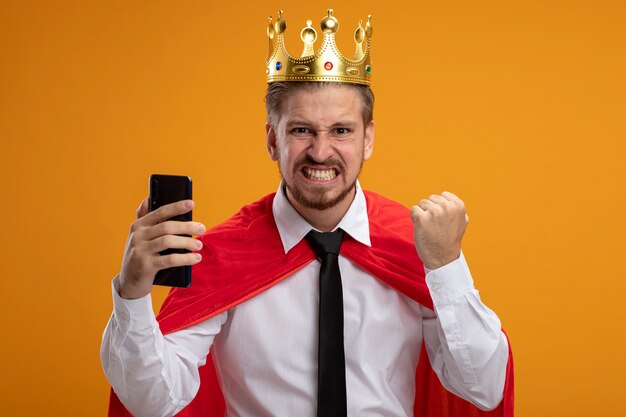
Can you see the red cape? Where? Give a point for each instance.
(244, 256)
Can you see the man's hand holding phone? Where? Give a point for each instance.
(151, 234)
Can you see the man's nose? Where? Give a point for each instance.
(321, 147)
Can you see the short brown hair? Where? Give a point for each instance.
(277, 92)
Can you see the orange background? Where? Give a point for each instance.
(518, 108)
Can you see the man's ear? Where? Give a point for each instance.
(270, 135)
(368, 142)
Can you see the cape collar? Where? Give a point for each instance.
(293, 228)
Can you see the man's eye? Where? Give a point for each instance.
(300, 131)
(342, 131)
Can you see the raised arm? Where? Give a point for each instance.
(464, 340)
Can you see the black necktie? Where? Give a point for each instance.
(331, 378)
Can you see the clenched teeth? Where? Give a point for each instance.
(320, 174)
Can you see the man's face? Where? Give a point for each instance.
(320, 143)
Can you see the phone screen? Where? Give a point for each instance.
(166, 189)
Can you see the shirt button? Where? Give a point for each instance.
(436, 286)
(124, 315)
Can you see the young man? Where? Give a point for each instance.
(260, 298)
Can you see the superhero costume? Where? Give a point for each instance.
(248, 247)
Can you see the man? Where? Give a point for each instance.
(259, 302)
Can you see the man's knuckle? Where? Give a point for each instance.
(451, 206)
(456, 207)
(161, 212)
(134, 226)
(160, 229)
(169, 227)
(160, 262)
(169, 241)
(183, 228)
(134, 239)
(157, 230)
(170, 261)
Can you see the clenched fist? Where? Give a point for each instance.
(439, 223)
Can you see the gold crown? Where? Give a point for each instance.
(327, 64)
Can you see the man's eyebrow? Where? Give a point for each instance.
(297, 122)
(349, 123)
(304, 122)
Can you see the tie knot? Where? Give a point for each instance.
(328, 242)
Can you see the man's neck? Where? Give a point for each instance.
(323, 220)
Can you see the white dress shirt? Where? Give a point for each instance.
(265, 349)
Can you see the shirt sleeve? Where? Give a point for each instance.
(152, 374)
(465, 344)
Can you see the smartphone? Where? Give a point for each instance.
(166, 189)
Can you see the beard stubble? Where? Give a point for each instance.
(318, 198)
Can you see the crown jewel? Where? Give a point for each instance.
(327, 64)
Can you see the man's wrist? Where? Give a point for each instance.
(438, 262)
(131, 291)
(450, 281)
(126, 311)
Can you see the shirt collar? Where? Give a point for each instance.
(293, 228)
